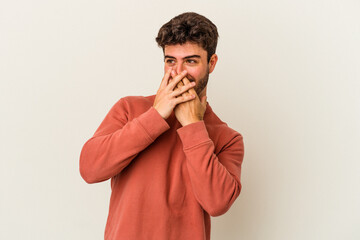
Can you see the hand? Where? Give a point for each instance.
(168, 96)
(190, 111)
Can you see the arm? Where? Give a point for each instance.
(117, 142)
(215, 179)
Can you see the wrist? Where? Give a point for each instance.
(160, 113)
(194, 120)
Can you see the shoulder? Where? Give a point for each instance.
(221, 134)
(134, 105)
(131, 100)
(214, 123)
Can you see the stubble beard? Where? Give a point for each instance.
(201, 84)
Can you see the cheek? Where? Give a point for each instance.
(195, 73)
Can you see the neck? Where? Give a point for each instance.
(202, 93)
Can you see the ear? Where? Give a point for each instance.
(212, 62)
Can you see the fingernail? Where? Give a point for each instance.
(184, 71)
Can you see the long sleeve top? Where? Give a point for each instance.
(166, 180)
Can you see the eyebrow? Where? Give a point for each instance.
(187, 57)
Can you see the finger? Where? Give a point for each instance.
(192, 90)
(179, 84)
(183, 98)
(186, 80)
(182, 89)
(173, 74)
(177, 79)
(165, 79)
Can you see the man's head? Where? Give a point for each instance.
(189, 27)
(189, 43)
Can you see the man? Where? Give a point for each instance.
(172, 162)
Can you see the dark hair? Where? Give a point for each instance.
(189, 27)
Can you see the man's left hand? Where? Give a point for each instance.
(191, 111)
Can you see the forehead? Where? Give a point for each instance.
(183, 50)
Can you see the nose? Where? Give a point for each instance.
(179, 68)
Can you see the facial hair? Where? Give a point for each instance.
(201, 83)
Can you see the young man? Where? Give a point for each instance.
(172, 162)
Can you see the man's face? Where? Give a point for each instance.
(192, 58)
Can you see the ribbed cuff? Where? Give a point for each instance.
(153, 123)
(193, 134)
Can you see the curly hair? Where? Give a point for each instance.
(189, 27)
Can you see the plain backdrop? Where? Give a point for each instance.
(287, 79)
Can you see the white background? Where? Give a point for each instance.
(287, 79)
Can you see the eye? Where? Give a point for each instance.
(170, 61)
(191, 61)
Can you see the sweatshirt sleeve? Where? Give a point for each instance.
(215, 179)
(117, 142)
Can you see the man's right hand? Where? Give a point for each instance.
(169, 95)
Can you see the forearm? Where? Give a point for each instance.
(104, 156)
(215, 179)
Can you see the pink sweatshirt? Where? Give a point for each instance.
(166, 180)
